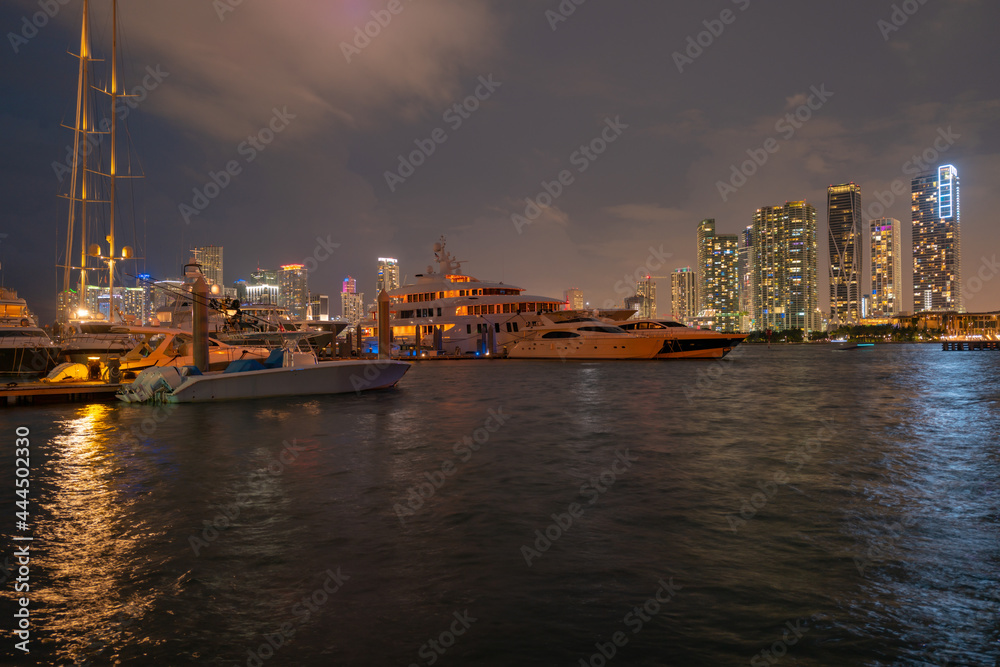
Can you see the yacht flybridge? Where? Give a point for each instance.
(449, 312)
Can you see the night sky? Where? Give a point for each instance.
(884, 85)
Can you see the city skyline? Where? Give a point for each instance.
(316, 191)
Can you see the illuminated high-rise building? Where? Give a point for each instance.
(388, 275)
(718, 276)
(937, 241)
(645, 289)
(887, 268)
(785, 281)
(293, 290)
(574, 299)
(262, 287)
(210, 258)
(350, 286)
(847, 242)
(746, 279)
(684, 294)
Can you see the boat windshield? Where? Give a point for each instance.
(610, 330)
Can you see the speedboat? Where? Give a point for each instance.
(582, 338)
(681, 342)
(25, 348)
(286, 372)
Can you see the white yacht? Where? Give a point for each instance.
(582, 338)
(25, 348)
(286, 372)
(85, 340)
(448, 312)
(680, 342)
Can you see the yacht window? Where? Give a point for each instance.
(613, 330)
(439, 312)
(515, 327)
(468, 328)
(560, 334)
(496, 327)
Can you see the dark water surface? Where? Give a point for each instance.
(827, 507)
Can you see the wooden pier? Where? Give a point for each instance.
(26, 393)
(976, 345)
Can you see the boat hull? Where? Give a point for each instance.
(697, 348)
(331, 377)
(28, 360)
(586, 348)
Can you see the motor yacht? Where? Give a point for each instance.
(582, 338)
(161, 346)
(25, 348)
(448, 312)
(680, 342)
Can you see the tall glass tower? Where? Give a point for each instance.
(847, 244)
(887, 267)
(784, 267)
(937, 241)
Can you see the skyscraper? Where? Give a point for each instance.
(746, 279)
(684, 294)
(937, 241)
(718, 266)
(388, 275)
(887, 267)
(847, 242)
(351, 303)
(706, 232)
(263, 287)
(785, 281)
(210, 258)
(646, 290)
(293, 290)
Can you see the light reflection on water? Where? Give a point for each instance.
(885, 537)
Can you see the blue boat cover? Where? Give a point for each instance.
(244, 365)
(275, 359)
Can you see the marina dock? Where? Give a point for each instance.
(27, 393)
(963, 345)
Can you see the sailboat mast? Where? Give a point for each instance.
(114, 153)
(81, 82)
(83, 131)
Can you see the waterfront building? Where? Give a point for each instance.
(937, 241)
(574, 299)
(846, 245)
(718, 277)
(352, 303)
(293, 290)
(319, 307)
(785, 279)
(745, 266)
(388, 275)
(646, 291)
(210, 258)
(684, 295)
(887, 268)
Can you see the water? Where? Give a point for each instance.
(830, 507)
